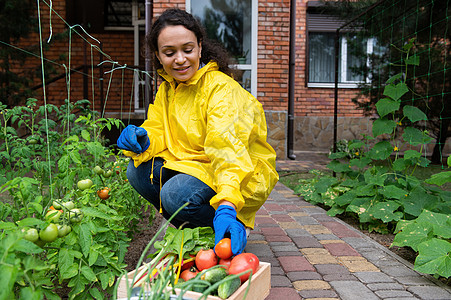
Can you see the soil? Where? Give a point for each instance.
(141, 240)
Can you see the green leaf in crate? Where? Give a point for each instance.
(386, 105)
(415, 137)
(385, 211)
(396, 91)
(383, 126)
(414, 113)
(380, 151)
(412, 235)
(439, 178)
(434, 257)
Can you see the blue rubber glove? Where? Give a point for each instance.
(133, 138)
(225, 221)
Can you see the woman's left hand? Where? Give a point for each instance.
(225, 221)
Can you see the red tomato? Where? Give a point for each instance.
(206, 259)
(189, 274)
(104, 193)
(243, 262)
(223, 249)
(226, 262)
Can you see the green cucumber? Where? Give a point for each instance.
(214, 275)
(229, 286)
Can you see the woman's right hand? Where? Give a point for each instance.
(133, 138)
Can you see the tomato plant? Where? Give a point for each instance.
(244, 262)
(31, 235)
(205, 259)
(189, 273)
(53, 215)
(223, 248)
(63, 230)
(75, 215)
(49, 234)
(98, 170)
(68, 205)
(104, 193)
(84, 184)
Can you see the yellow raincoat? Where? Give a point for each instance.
(213, 129)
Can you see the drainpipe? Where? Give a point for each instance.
(148, 98)
(291, 83)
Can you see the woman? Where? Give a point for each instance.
(204, 140)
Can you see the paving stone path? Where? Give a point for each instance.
(315, 256)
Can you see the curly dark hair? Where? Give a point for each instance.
(211, 51)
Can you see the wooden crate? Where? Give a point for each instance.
(258, 290)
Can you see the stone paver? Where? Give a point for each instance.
(315, 256)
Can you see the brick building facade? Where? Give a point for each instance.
(110, 84)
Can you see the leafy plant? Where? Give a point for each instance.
(64, 151)
(385, 196)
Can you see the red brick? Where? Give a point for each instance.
(340, 230)
(277, 238)
(341, 249)
(279, 293)
(295, 263)
(273, 231)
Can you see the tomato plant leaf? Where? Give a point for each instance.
(27, 247)
(88, 273)
(8, 275)
(31, 294)
(434, 257)
(95, 293)
(85, 239)
(104, 280)
(29, 222)
(85, 134)
(94, 212)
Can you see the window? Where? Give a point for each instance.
(233, 23)
(353, 53)
(119, 13)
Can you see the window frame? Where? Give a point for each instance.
(252, 67)
(322, 23)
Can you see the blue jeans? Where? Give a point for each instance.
(176, 189)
